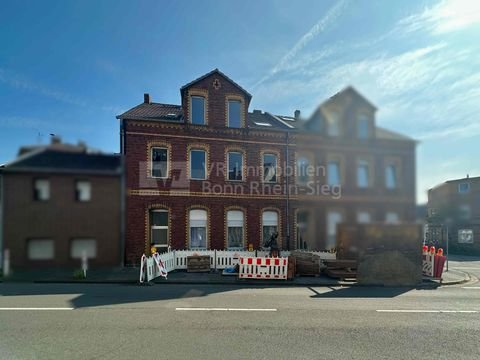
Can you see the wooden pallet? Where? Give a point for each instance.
(199, 263)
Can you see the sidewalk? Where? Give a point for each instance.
(131, 276)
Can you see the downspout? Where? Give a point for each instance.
(122, 193)
(287, 182)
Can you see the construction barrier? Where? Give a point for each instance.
(263, 268)
(161, 264)
(154, 266)
(433, 263)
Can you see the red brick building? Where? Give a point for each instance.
(210, 174)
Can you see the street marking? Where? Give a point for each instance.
(471, 287)
(430, 311)
(33, 309)
(221, 309)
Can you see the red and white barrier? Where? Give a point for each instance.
(433, 263)
(152, 267)
(263, 268)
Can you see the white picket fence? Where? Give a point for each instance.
(219, 260)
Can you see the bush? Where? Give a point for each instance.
(79, 275)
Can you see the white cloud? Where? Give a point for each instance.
(18, 82)
(445, 16)
(286, 61)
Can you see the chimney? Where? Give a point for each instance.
(146, 98)
(468, 176)
(255, 111)
(297, 114)
(55, 140)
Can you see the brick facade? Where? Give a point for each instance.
(178, 193)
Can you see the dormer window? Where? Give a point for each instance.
(197, 115)
(363, 127)
(234, 114)
(333, 124)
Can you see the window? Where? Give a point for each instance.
(83, 191)
(465, 236)
(159, 162)
(235, 166)
(362, 174)
(463, 188)
(269, 225)
(42, 190)
(198, 229)
(390, 177)
(269, 168)
(40, 249)
(333, 124)
(363, 126)
(464, 212)
(198, 168)
(198, 110)
(80, 246)
(333, 218)
(303, 170)
(392, 218)
(363, 217)
(333, 173)
(159, 228)
(235, 223)
(234, 113)
(303, 233)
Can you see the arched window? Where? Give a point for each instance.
(159, 228)
(198, 229)
(235, 233)
(269, 224)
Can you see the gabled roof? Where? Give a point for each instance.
(50, 160)
(154, 111)
(349, 89)
(214, 71)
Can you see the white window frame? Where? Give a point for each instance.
(333, 123)
(239, 115)
(235, 223)
(467, 190)
(152, 162)
(339, 172)
(394, 177)
(41, 186)
(392, 217)
(205, 164)
(366, 165)
(204, 109)
(241, 166)
(363, 120)
(362, 219)
(83, 189)
(204, 224)
(274, 221)
(49, 242)
(275, 167)
(160, 227)
(332, 227)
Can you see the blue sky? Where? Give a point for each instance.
(68, 67)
